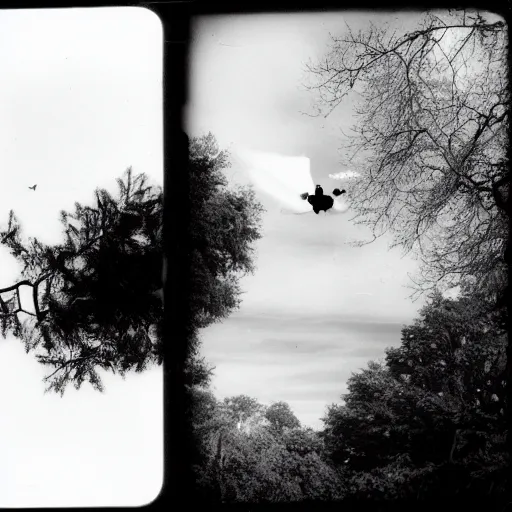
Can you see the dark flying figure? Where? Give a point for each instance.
(33, 188)
(285, 178)
(320, 201)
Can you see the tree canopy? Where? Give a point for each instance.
(224, 225)
(281, 416)
(259, 463)
(431, 145)
(425, 423)
(429, 420)
(430, 140)
(98, 296)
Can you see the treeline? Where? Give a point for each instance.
(427, 422)
(430, 420)
(253, 453)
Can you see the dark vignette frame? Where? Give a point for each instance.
(176, 19)
(175, 16)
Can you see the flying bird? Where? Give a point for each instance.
(286, 178)
(34, 187)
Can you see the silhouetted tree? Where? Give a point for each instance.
(432, 138)
(241, 407)
(431, 145)
(280, 415)
(98, 297)
(224, 225)
(259, 463)
(430, 420)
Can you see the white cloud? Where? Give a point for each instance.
(282, 177)
(346, 175)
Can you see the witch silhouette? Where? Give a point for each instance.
(319, 201)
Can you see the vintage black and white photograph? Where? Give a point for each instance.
(349, 228)
(81, 156)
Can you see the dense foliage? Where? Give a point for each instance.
(98, 296)
(249, 460)
(281, 416)
(430, 420)
(224, 225)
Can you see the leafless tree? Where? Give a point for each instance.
(430, 141)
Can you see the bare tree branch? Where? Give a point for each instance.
(431, 139)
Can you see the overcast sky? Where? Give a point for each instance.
(316, 309)
(80, 101)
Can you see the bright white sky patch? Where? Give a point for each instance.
(81, 101)
(283, 177)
